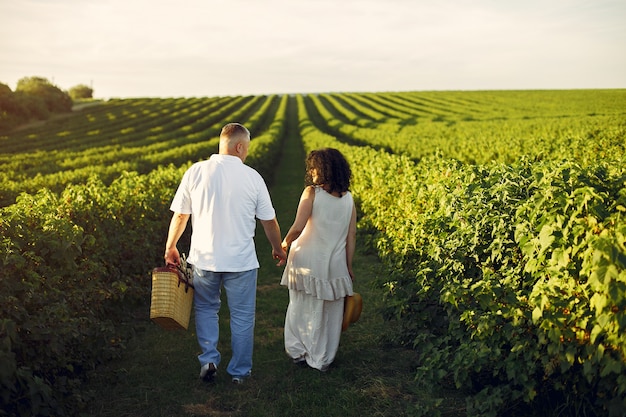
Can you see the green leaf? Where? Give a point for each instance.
(611, 366)
(595, 332)
(537, 314)
(598, 302)
(546, 237)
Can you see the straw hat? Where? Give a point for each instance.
(351, 310)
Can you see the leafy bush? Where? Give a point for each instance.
(56, 100)
(73, 266)
(13, 111)
(35, 98)
(81, 91)
(506, 280)
(510, 281)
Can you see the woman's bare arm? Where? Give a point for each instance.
(305, 208)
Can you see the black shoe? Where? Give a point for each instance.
(301, 361)
(207, 372)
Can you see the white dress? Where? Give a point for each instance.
(316, 274)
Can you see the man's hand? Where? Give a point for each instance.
(280, 255)
(172, 256)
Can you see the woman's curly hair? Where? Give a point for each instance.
(332, 168)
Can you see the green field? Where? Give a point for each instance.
(491, 225)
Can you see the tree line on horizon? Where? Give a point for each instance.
(36, 98)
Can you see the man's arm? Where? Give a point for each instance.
(177, 227)
(272, 231)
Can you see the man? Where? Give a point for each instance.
(224, 197)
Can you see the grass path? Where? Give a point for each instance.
(158, 373)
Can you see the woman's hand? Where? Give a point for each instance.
(280, 256)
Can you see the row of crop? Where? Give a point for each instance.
(515, 104)
(172, 144)
(105, 141)
(70, 273)
(509, 281)
(583, 137)
(444, 227)
(76, 264)
(431, 107)
(120, 135)
(265, 149)
(78, 132)
(455, 104)
(401, 107)
(105, 121)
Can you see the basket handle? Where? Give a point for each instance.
(183, 276)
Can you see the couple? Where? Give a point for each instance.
(224, 198)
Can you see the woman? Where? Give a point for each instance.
(318, 272)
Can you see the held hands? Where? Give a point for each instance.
(280, 255)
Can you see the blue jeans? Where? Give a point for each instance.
(241, 297)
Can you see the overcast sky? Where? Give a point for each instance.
(193, 48)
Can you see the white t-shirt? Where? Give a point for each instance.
(224, 197)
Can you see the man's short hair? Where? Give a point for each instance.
(235, 132)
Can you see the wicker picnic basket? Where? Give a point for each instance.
(171, 299)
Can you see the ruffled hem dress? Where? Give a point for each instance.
(316, 274)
